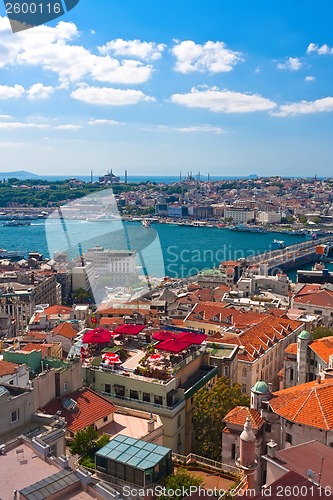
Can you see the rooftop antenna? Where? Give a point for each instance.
(311, 474)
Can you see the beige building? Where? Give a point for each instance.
(269, 217)
(171, 397)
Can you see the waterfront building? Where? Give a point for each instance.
(269, 217)
(238, 215)
(83, 276)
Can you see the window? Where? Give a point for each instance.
(14, 416)
(291, 374)
(178, 421)
(134, 394)
(107, 388)
(226, 371)
(233, 451)
(65, 387)
(244, 372)
(146, 397)
(268, 427)
(318, 311)
(158, 400)
(289, 438)
(105, 419)
(243, 388)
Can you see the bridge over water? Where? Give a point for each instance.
(291, 256)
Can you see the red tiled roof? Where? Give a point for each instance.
(91, 407)
(57, 309)
(307, 404)
(261, 337)
(323, 347)
(294, 483)
(65, 329)
(239, 414)
(291, 349)
(37, 347)
(322, 298)
(7, 368)
(222, 313)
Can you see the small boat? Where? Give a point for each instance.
(15, 223)
(278, 244)
(145, 223)
(248, 228)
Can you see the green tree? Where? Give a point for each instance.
(81, 296)
(84, 441)
(180, 481)
(303, 219)
(210, 407)
(321, 331)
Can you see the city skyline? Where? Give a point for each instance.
(217, 88)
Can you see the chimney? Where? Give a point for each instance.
(318, 379)
(150, 424)
(271, 448)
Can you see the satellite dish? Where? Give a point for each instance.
(310, 473)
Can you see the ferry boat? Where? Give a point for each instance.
(11, 254)
(247, 228)
(15, 223)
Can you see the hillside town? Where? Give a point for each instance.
(83, 355)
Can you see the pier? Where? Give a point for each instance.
(292, 256)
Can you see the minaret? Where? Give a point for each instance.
(247, 461)
(303, 340)
(125, 176)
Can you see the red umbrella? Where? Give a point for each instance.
(193, 337)
(97, 336)
(111, 358)
(173, 345)
(129, 329)
(164, 335)
(155, 357)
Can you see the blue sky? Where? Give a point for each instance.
(220, 87)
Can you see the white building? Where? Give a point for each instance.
(119, 264)
(238, 215)
(269, 217)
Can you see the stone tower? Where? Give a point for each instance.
(247, 461)
(303, 340)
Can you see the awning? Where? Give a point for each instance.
(173, 345)
(97, 336)
(164, 335)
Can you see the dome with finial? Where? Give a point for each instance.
(247, 434)
(261, 387)
(304, 335)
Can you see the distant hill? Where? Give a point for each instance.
(19, 174)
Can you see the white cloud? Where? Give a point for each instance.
(223, 101)
(202, 128)
(39, 91)
(19, 125)
(100, 121)
(11, 145)
(50, 48)
(6, 117)
(306, 107)
(213, 57)
(109, 96)
(309, 78)
(323, 50)
(7, 92)
(147, 51)
(69, 126)
(292, 63)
